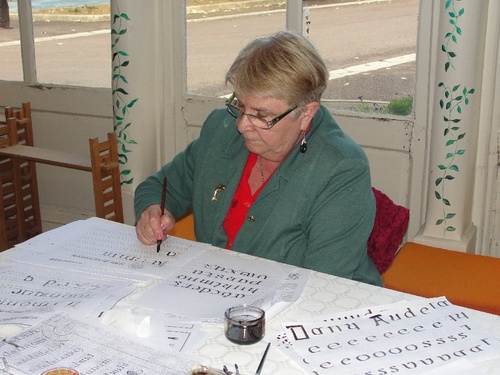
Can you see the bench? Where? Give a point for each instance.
(468, 280)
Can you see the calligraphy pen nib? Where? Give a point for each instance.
(158, 244)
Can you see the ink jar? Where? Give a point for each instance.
(244, 324)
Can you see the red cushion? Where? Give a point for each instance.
(389, 228)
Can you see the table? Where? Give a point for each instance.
(323, 295)
(46, 156)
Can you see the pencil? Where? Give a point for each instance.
(162, 208)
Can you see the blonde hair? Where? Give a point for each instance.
(284, 66)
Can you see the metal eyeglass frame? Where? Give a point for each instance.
(236, 113)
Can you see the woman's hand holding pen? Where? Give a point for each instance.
(153, 226)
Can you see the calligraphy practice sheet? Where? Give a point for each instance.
(62, 342)
(217, 279)
(29, 293)
(105, 247)
(407, 338)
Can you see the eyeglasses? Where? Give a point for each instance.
(257, 121)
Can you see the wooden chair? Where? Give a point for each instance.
(19, 201)
(20, 217)
(184, 228)
(106, 178)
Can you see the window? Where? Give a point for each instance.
(66, 50)
(368, 47)
(10, 49)
(215, 36)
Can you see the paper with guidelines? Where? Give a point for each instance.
(206, 279)
(60, 341)
(404, 338)
(30, 293)
(105, 247)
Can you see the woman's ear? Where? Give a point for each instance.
(308, 113)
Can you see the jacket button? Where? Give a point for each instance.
(251, 218)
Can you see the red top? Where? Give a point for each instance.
(241, 203)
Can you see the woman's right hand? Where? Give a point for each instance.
(153, 226)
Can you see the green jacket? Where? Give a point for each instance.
(316, 211)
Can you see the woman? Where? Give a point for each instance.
(271, 175)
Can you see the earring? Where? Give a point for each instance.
(303, 144)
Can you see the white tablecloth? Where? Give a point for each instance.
(323, 295)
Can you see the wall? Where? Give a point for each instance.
(399, 150)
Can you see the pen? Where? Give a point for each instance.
(162, 208)
(261, 364)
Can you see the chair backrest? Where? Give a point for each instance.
(389, 228)
(20, 217)
(106, 178)
(184, 228)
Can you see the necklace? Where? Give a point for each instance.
(261, 169)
